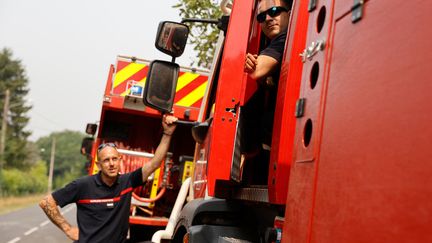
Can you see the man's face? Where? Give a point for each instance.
(109, 162)
(272, 26)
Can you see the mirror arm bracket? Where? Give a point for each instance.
(221, 23)
(193, 20)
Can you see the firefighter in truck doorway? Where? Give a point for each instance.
(103, 200)
(273, 17)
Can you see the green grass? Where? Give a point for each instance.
(9, 204)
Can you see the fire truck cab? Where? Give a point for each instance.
(351, 131)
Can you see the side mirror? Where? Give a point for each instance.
(171, 38)
(199, 132)
(91, 129)
(161, 85)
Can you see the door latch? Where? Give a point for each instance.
(312, 50)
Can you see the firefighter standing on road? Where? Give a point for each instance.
(103, 200)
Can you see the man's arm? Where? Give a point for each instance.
(49, 206)
(260, 66)
(162, 149)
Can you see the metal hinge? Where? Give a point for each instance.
(312, 5)
(300, 104)
(357, 11)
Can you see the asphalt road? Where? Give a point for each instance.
(30, 225)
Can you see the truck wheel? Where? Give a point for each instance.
(179, 235)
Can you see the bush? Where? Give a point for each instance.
(68, 177)
(17, 182)
(39, 177)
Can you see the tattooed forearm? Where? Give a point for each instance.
(49, 206)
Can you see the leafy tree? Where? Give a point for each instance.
(19, 182)
(33, 153)
(202, 36)
(68, 161)
(13, 78)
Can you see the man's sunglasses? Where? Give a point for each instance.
(103, 145)
(272, 12)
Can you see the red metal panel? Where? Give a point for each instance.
(303, 170)
(288, 93)
(109, 80)
(299, 204)
(229, 91)
(342, 8)
(253, 47)
(374, 178)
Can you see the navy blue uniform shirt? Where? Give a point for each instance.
(102, 210)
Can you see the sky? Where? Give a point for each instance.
(66, 48)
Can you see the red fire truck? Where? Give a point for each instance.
(136, 130)
(351, 149)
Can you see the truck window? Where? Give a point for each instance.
(257, 114)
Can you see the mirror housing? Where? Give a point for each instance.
(199, 132)
(171, 38)
(161, 85)
(91, 129)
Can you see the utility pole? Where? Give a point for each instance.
(3, 137)
(51, 167)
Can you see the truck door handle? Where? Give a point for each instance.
(312, 50)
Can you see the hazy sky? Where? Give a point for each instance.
(66, 48)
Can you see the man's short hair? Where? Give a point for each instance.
(287, 3)
(104, 145)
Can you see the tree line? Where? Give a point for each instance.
(24, 164)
